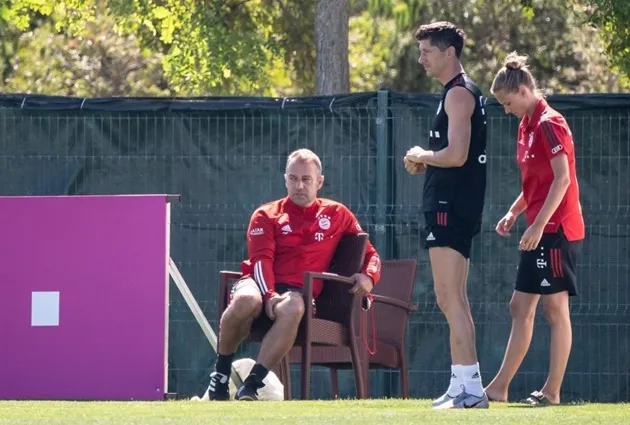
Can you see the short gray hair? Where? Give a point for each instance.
(305, 155)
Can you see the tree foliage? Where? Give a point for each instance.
(613, 17)
(209, 47)
(565, 55)
(267, 47)
(98, 63)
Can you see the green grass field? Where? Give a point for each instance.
(346, 412)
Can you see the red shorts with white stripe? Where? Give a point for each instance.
(551, 267)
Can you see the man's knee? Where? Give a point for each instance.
(291, 308)
(450, 300)
(246, 302)
(449, 273)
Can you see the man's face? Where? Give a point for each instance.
(432, 58)
(513, 103)
(303, 180)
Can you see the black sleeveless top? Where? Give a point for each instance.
(460, 190)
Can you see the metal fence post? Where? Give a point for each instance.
(382, 155)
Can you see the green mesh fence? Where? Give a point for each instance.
(226, 156)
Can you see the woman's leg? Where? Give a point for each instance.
(556, 309)
(523, 310)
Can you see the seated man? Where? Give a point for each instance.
(285, 238)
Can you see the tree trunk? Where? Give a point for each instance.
(331, 38)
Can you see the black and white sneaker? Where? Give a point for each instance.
(249, 390)
(218, 389)
(246, 393)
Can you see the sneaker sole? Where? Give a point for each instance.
(246, 398)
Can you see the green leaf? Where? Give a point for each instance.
(528, 12)
(160, 12)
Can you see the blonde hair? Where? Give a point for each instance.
(305, 155)
(514, 73)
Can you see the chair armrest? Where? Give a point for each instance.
(307, 294)
(394, 302)
(230, 274)
(307, 286)
(329, 276)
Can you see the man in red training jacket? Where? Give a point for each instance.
(285, 238)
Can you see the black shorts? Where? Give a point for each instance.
(551, 267)
(444, 229)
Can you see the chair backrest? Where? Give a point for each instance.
(397, 279)
(349, 255)
(335, 302)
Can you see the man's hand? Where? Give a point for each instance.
(270, 304)
(505, 224)
(363, 284)
(416, 154)
(531, 237)
(413, 160)
(414, 167)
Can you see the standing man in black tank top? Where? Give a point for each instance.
(453, 200)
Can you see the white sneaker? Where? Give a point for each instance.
(466, 401)
(443, 399)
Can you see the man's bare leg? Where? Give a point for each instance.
(522, 310)
(450, 270)
(276, 344)
(281, 337)
(237, 319)
(556, 309)
(457, 379)
(234, 326)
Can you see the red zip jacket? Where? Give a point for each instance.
(285, 240)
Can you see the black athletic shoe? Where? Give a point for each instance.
(218, 389)
(249, 390)
(246, 393)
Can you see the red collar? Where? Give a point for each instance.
(531, 123)
(311, 210)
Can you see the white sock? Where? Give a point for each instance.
(472, 379)
(457, 381)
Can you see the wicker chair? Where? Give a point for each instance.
(389, 314)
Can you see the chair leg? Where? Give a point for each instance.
(334, 382)
(357, 365)
(366, 373)
(286, 372)
(306, 370)
(404, 373)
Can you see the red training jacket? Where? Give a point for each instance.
(285, 240)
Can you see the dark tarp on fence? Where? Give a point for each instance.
(225, 156)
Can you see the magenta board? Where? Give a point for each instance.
(84, 297)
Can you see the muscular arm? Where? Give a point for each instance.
(459, 105)
(559, 186)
